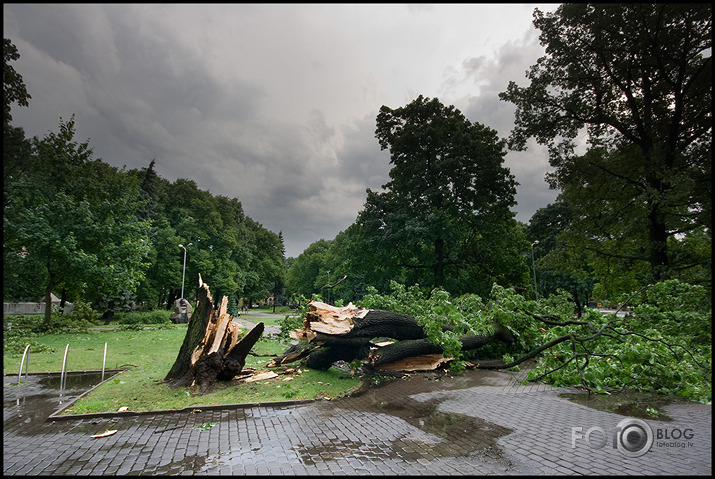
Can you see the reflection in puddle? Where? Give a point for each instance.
(37, 396)
(313, 455)
(73, 380)
(190, 463)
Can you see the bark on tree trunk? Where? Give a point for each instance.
(63, 301)
(48, 300)
(107, 316)
(333, 334)
(211, 349)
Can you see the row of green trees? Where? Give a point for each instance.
(110, 236)
(634, 81)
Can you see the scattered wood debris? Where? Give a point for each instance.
(260, 376)
(425, 362)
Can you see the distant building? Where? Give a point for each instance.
(34, 308)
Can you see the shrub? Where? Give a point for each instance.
(81, 318)
(82, 312)
(15, 341)
(156, 316)
(294, 320)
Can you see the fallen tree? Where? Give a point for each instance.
(662, 343)
(330, 334)
(212, 349)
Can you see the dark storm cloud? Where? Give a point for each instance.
(528, 167)
(271, 104)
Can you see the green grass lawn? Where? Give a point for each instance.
(148, 354)
(267, 319)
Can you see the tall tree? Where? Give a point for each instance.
(448, 191)
(14, 89)
(71, 221)
(16, 148)
(637, 79)
(560, 264)
(302, 276)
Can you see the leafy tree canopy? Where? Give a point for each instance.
(71, 222)
(448, 192)
(637, 80)
(14, 89)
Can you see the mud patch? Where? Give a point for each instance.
(644, 405)
(437, 434)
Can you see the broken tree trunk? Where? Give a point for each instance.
(212, 349)
(333, 334)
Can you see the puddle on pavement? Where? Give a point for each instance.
(268, 412)
(195, 463)
(627, 403)
(438, 434)
(435, 434)
(37, 396)
(310, 456)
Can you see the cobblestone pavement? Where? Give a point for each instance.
(480, 422)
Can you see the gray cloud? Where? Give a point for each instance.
(272, 104)
(529, 167)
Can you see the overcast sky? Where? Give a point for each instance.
(272, 104)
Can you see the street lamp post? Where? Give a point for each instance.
(533, 265)
(183, 272)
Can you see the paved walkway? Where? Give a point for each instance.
(480, 422)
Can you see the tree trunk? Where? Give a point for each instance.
(48, 300)
(211, 349)
(333, 334)
(107, 316)
(172, 298)
(63, 300)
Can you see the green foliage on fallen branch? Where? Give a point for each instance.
(466, 315)
(663, 344)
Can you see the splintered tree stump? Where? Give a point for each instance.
(330, 334)
(212, 349)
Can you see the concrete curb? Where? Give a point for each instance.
(212, 407)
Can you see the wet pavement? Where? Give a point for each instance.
(480, 422)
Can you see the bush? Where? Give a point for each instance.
(156, 316)
(663, 345)
(82, 312)
(81, 318)
(29, 322)
(294, 320)
(15, 341)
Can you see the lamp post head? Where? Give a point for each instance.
(181, 246)
(534, 243)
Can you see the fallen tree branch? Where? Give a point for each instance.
(347, 333)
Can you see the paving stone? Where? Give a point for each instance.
(528, 428)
